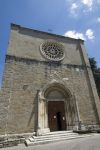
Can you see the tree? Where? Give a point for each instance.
(98, 69)
(96, 73)
(93, 64)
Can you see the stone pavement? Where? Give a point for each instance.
(88, 143)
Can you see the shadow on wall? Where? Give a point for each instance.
(34, 112)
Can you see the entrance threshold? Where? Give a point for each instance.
(59, 132)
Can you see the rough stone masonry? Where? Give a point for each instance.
(41, 68)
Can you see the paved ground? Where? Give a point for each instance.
(88, 143)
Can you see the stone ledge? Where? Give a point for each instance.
(30, 61)
(13, 139)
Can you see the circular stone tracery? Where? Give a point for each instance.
(52, 50)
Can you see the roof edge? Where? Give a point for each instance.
(18, 27)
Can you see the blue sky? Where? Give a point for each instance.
(74, 18)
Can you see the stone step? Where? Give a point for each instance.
(53, 136)
(29, 141)
(58, 132)
(49, 138)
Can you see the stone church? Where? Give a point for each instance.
(47, 84)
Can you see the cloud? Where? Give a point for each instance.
(73, 9)
(74, 34)
(80, 7)
(74, 6)
(88, 3)
(90, 34)
(98, 19)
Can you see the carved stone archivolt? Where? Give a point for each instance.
(54, 84)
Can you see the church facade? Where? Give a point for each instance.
(47, 84)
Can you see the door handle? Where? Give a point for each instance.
(63, 118)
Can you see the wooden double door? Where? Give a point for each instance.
(56, 116)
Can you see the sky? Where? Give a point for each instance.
(72, 18)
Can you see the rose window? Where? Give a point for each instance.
(52, 50)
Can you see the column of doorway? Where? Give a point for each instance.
(42, 117)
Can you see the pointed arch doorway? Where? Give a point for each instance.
(56, 109)
(59, 107)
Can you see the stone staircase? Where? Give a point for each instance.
(53, 137)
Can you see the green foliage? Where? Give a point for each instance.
(98, 70)
(93, 63)
(96, 73)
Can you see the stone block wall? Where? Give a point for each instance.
(26, 72)
(25, 77)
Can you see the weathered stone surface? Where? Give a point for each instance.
(27, 72)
